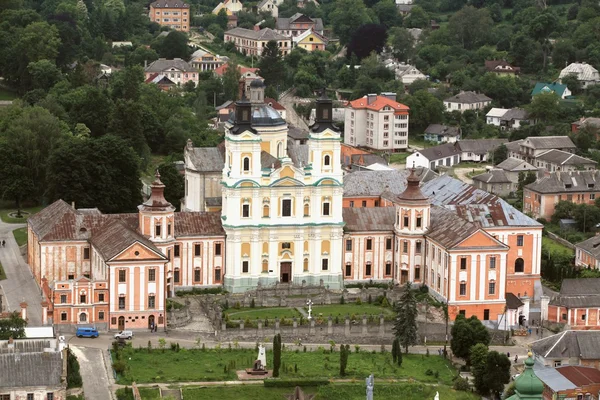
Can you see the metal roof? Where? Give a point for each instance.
(512, 164)
(369, 219)
(374, 183)
(583, 71)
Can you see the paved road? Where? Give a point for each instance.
(19, 285)
(96, 384)
(461, 173)
(287, 100)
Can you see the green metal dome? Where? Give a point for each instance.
(528, 385)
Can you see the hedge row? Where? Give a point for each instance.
(284, 383)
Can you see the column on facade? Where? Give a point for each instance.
(255, 253)
(314, 248)
(501, 278)
(483, 275)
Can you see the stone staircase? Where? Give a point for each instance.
(199, 321)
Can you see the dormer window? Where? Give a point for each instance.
(568, 185)
(590, 185)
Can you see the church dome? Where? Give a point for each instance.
(264, 115)
(527, 384)
(257, 83)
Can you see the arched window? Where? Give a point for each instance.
(265, 265)
(82, 317)
(246, 164)
(306, 209)
(266, 211)
(305, 269)
(280, 150)
(327, 160)
(519, 265)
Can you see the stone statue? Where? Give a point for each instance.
(370, 383)
(437, 396)
(262, 356)
(309, 303)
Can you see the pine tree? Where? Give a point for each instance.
(395, 350)
(276, 355)
(344, 353)
(405, 326)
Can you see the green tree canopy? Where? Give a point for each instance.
(271, 66)
(467, 333)
(347, 16)
(13, 326)
(405, 326)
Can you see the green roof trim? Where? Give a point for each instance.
(543, 87)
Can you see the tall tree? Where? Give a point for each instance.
(231, 81)
(174, 183)
(402, 43)
(478, 354)
(367, 39)
(271, 66)
(467, 333)
(500, 154)
(405, 326)
(347, 16)
(470, 27)
(276, 355)
(12, 327)
(174, 45)
(544, 107)
(344, 353)
(497, 373)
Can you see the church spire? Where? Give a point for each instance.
(157, 201)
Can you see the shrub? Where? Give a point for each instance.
(461, 384)
(370, 300)
(358, 301)
(119, 366)
(195, 291)
(124, 393)
(73, 375)
(342, 300)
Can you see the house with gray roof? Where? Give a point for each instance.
(585, 73)
(495, 181)
(439, 133)
(443, 155)
(578, 302)
(558, 160)
(478, 150)
(467, 101)
(205, 167)
(252, 42)
(297, 24)
(587, 253)
(177, 70)
(580, 187)
(571, 347)
(33, 367)
(591, 123)
(532, 147)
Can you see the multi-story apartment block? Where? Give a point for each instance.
(531, 148)
(378, 122)
(253, 42)
(579, 187)
(177, 71)
(116, 270)
(172, 13)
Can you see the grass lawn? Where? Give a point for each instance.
(20, 236)
(7, 94)
(11, 220)
(554, 247)
(149, 393)
(194, 365)
(475, 172)
(261, 313)
(350, 309)
(354, 391)
(399, 158)
(2, 273)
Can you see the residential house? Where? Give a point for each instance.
(114, 271)
(467, 101)
(33, 369)
(177, 70)
(407, 74)
(585, 73)
(589, 123)
(494, 181)
(442, 133)
(247, 76)
(531, 148)
(478, 150)
(570, 382)
(501, 68)
(404, 2)
(232, 21)
(231, 7)
(571, 347)
(122, 44)
(587, 253)
(514, 119)
(561, 90)
(578, 303)
(310, 41)
(161, 81)
(298, 24)
(174, 14)
(493, 116)
(512, 167)
(558, 160)
(579, 187)
(203, 60)
(357, 159)
(372, 188)
(377, 122)
(268, 6)
(443, 155)
(252, 42)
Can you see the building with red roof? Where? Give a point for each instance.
(377, 122)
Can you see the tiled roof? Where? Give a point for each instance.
(468, 98)
(479, 146)
(284, 23)
(221, 70)
(31, 370)
(560, 157)
(53, 221)
(513, 302)
(273, 103)
(169, 4)
(492, 176)
(474, 204)
(268, 161)
(298, 153)
(569, 344)
(514, 146)
(580, 375)
(514, 164)
(448, 229)
(440, 151)
(584, 72)
(438, 129)
(549, 142)
(575, 293)
(307, 33)
(374, 183)
(377, 104)
(590, 121)
(163, 64)
(263, 34)
(297, 133)
(493, 66)
(591, 245)
(365, 219)
(198, 223)
(207, 159)
(564, 182)
(117, 236)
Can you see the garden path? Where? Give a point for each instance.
(93, 371)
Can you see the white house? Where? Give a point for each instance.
(269, 6)
(408, 74)
(446, 155)
(494, 115)
(467, 101)
(586, 74)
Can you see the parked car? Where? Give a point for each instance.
(124, 335)
(87, 332)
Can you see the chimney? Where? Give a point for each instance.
(189, 144)
(256, 28)
(389, 95)
(73, 205)
(371, 97)
(145, 64)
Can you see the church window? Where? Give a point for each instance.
(197, 250)
(286, 245)
(463, 263)
(86, 253)
(492, 288)
(406, 221)
(217, 275)
(463, 288)
(348, 269)
(388, 268)
(151, 275)
(151, 301)
(82, 298)
(306, 209)
(265, 265)
(305, 267)
(266, 211)
(519, 265)
(169, 229)
(286, 208)
(368, 269)
(246, 210)
(348, 244)
(176, 250)
(122, 275)
(327, 160)
(157, 230)
(245, 267)
(417, 272)
(217, 249)
(246, 164)
(369, 244)
(325, 264)
(63, 298)
(176, 275)
(101, 315)
(405, 246)
(63, 316)
(326, 208)
(122, 302)
(388, 243)
(418, 247)
(197, 275)
(419, 222)
(492, 262)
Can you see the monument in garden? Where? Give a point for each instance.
(260, 364)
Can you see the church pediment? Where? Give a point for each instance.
(138, 251)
